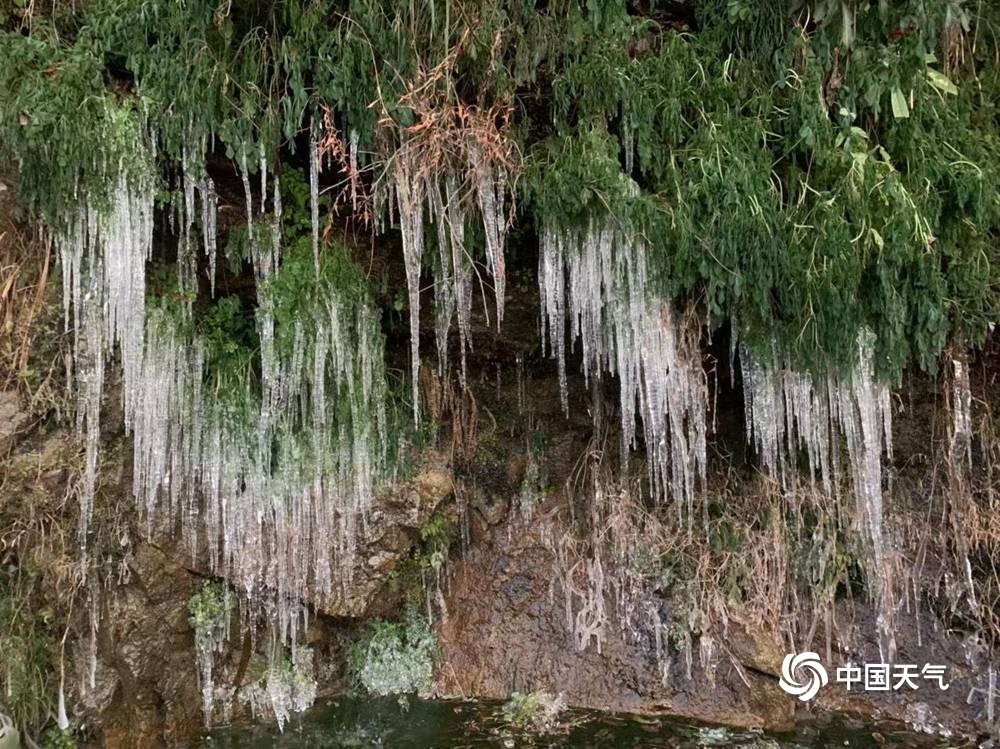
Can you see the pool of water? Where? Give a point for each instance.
(418, 724)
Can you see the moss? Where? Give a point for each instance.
(428, 558)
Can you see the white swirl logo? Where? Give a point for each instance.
(813, 670)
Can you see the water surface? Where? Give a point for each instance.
(420, 724)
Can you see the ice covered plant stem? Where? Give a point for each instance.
(275, 489)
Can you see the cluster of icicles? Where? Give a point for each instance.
(441, 198)
(267, 491)
(595, 280)
(272, 494)
(788, 411)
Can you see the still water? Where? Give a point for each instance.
(420, 724)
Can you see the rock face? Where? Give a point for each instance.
(399, 514)
(145, 650)
(507, 631)
(146, 687)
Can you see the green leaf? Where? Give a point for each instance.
(941, 82)
(900, 109)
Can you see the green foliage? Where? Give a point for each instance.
(395, 657)
(416, 572)
(29, 648)
(791, 198)
(60, 122)
(230, 339)
(521, 709)
(209, 608)
(537, 710)
(56, 738)
(804, 169)
(436, 537)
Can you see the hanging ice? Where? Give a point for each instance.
(245, 177)
(961, 408)
(788, 411)
(594, 279)
(447, 196)
(314, 192)
(103, 254)
(276, 490)
(491, 188)
(209, 226)
(410, 195)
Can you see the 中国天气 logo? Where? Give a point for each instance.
(802, 675)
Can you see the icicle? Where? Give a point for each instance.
(62, 719)
(185, 249)
(551, 284)
(461, 267)
(209, 224)
(961, 407)
(276, 233)
(263, 178)
(270, 526)
(444, 287)
(415, 187)
(788, 411)
(410, 196)
(285, 687)
(245, 177)
(353, 162)
(490, 191)
(314, 191)
(104, 254)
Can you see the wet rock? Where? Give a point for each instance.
(396, 519)
(507, 631)
(492, 509)
(146, 660)
(758, 649)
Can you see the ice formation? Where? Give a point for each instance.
(438, 197)
(287, 686)
(961, 409)
(595, 279)
(271, 490)
(103, 254)
(788, 411)
(210, 635)
(209, 226)
(314, 192)
(409, 186)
